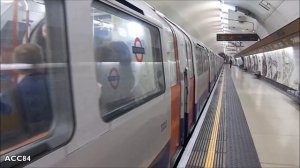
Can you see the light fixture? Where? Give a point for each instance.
(225, 8)
(7, 1)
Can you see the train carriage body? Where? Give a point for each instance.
(125, 84)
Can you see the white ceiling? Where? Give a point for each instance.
(202, 19)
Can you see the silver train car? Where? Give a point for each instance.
(98, 84)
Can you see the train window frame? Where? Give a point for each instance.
(63, 122)
(205, 60)
(202, 59)
(189, 55)
(192, 58)
(123, 109)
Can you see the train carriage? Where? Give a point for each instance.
(124, 84)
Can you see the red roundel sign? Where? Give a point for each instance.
(114, 78)
(138, 50)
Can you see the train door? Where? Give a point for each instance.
(215, 70)
(207, 72)
(211, 68)
(172, 52)
(181, 99)
(183, 67)
(191, 86)
(199, 79)
(203, 79)
(184, 91)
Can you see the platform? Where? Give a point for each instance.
(273, 119)
(222, 138)
(247, 123)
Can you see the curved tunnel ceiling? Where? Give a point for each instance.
(204, 19)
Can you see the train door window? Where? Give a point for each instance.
(211, 58)
(214, 61)
(34, 79)
(207, 60)
(171, 56)
(189, 56)
(211, 61)
(128, 60)
(199, 60)
(202, 59)
(204, 56)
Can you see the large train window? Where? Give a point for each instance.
(35, 97)
(128, 60)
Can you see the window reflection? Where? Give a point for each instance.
(25, 105)
(128, 60)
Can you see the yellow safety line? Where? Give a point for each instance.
(213, 139)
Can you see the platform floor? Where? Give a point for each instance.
(247, 123)
(222, 137)
(273, 119)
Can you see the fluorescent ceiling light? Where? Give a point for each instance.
(226, 8)
(6, 1)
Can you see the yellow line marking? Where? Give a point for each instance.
(213, 139)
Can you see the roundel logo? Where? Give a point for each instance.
(114, 78)
(138, 50)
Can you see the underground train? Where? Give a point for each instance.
(98, 84)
